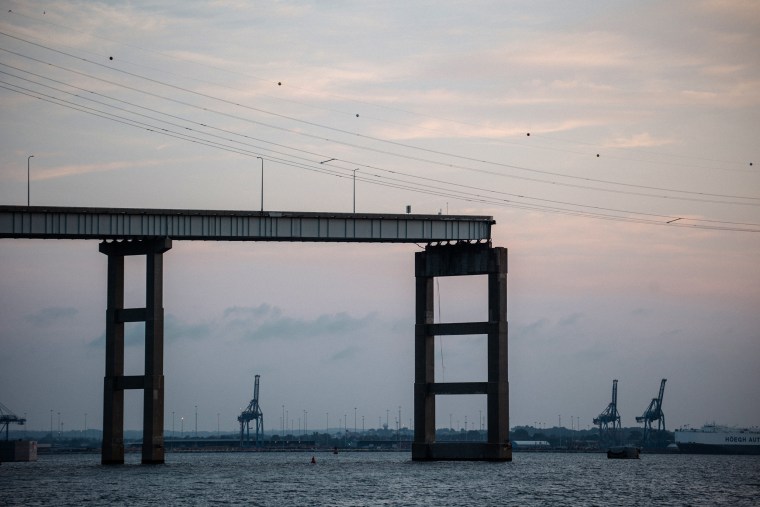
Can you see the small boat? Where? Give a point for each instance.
(626, 452)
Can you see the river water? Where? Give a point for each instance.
(377, 479)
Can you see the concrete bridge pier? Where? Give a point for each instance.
(459, 260)
(152, 382)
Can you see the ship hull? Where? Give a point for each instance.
(718, 449)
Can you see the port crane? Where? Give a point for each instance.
(651, 414)
(609, 420)
(7, 417)
(252, 413)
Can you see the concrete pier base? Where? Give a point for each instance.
(18, 450)
(152, 382)
(461, 451)
(462, 259)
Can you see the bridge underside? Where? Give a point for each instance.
(456, 246)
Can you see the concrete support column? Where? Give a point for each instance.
(112, 451)
(424, 362)
(461, 260)
(152, 382)
(153, 399)
(498, 395)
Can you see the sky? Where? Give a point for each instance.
(615, 144)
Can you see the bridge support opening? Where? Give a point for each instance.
(152, 382)
(459, 260)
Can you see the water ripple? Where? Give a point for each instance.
(383, 479)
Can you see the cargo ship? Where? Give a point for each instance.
(715, 439)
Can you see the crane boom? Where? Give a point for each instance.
(662, 392)
(7, 417)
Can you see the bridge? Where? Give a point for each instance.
(134, 224)
(455, 245)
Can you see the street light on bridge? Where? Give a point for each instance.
(262, 183)
(28, 179)
(355, 188)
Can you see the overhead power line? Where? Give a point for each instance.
(362, 136)
(352, 99)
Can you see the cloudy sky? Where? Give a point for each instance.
(614, 143)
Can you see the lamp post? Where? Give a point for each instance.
(355, 188)
(28, 179)
(262, 183)
(572, 425)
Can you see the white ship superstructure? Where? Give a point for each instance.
(714, 439)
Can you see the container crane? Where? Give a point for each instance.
(651, 414)
(609, 420)
(252, 413)
(7, 417)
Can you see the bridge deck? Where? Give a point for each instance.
(217, 225)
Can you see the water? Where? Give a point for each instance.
(377, 479)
